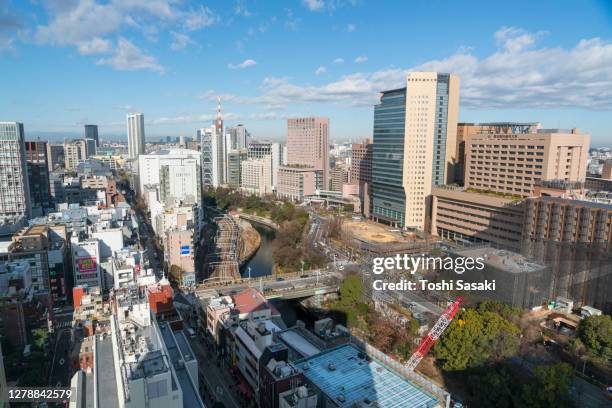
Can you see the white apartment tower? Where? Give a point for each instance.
(14, 187)
(136, 134)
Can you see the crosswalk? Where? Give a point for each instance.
(62, 324)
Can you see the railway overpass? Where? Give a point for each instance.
(290, 286)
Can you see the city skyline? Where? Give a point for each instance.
(517, 67)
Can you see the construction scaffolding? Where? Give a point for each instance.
(222, 260)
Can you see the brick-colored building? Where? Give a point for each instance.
(512, 163)
(295, 182)
(467, 217)
(361, 172)
(308, 145)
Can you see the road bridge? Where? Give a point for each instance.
(290, 286)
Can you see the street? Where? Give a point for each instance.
(219, 384)
(59, 372)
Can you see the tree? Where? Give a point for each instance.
(475, 339)
(551, 388)
(502, 309)
(40, 338)
(492, 388)
(596, 334)
(176, 273)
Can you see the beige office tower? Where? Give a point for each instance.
(415, 132)
(308, 145)
(514, 162)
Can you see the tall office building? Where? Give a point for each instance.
(234, 160)
(361, 172)
(55, 156)
(513, 160)
(415, 131)
(74, 153)
(14, 186)
(136, 134)
(38, 177)
(272, 151)
(176, 172)
(255, 176)
(308, 145)
(213, 156)
(90, 148)
(239, 137)
(91, 132)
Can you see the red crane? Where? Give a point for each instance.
(434, 334)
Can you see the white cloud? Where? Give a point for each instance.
(351, 27)
(291, 22)
(94, 46)
(314, 5)
(198, 19)
(320, 71)
(180, 41)
(10, 26)
(360, 59)
(244, 64)
(516, 75)
(84, 21)
(128, 57)
(89, 24)
(338, 61)
(241, 9)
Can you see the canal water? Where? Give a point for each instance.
(261, 263)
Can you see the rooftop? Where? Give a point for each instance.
(500, 258)
(106, 382)
(349, 377)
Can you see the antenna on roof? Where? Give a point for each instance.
(219, 125)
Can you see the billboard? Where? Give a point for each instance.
(185, 251)
(87, 264)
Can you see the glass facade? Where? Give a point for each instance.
(388, 196)
(439, 159)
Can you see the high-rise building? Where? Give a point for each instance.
(175, 172)
(361, 172)
(91, 132)
(512, 162)
(234, 160)
(90, 148)
(415, 130)
(55, 156)
(212, 152)
(239, 137)
(270, 150)
(339, 176)
(14, 187)
(135, 134)
(255, 175)
(308, 145)
(38, 177)
(74, 153)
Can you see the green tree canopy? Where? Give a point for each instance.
(596, 334)
(477, 338)
(551, 388)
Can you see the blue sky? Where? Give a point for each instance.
(64, 63)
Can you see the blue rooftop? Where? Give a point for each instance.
(348, 378)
